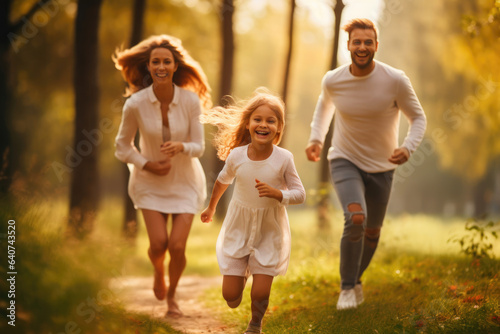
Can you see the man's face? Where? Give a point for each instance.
(362, 44)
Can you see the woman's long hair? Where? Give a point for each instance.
(232, 121)
(133, 65)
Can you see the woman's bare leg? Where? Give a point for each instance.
(181, 225)
(156, 225)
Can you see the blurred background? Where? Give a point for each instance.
(62, 97)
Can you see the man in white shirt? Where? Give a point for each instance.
(367, 96)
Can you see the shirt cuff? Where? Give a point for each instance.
(286, 197)
(139, 161)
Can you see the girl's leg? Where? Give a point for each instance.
(156, 225)
(261, 290)
(232, 289)
(181, 225)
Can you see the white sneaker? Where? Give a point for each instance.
(347, 299)
(358, 290)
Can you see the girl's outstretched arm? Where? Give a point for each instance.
(217, 192)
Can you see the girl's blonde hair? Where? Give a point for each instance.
(232, 120)
(133, 65)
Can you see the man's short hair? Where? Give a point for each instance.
(360, 24)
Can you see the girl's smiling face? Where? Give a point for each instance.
(263, 125)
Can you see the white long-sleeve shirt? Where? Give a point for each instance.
(367, 109)
(183, 189)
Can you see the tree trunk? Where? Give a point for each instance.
(226, 79)
(84, 196)
(130, 226)
(288, 61)
(5, 95)
(483, 193)
(226, 83)
(12, 38)
(324, 183)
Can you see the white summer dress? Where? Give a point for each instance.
(255, 234)
(183, 189)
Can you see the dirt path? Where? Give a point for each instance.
(137, 296)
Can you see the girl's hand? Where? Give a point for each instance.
(171, 148)
(206, 215)
(266, 190)
(158, 167)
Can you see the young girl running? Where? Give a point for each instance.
(255, 236)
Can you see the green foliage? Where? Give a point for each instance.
(471, 121)
(479, 239)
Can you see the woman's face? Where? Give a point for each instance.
(162, 66)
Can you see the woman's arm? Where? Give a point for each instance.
(125, 149)
(196, 146)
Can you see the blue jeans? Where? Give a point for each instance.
(364, 198)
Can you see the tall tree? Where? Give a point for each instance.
(84, 194)
(12, 37)
(324, 182)
(226, 79)
(130, 226)
(288, 61)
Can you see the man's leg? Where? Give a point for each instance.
(349, 185)
(378, 190)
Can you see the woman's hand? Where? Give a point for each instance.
(171, 148)
(266, 190)
(160, 168)
(207, 214)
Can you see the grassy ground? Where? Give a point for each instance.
(418, 282)
(62, 285)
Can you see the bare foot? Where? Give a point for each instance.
(173, 309)
(159, 286)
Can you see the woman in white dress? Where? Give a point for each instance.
(167, 90)
(255, 236)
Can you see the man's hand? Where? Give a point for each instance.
(266, 190)
(313, 151)
(158, 167)
(400, 156)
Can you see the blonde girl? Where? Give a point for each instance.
(166, 90)
(255, 235)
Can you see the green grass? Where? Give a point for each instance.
(62, 285)
(417, 283)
